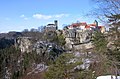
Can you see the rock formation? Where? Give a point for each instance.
(78, 39)
(24, 44)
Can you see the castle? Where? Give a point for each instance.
(79, 35)
(51, 27)
(85, 26)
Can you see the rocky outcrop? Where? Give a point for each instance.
(78, 39)
(24, 44)
(84, 46)
(42, 48)
(47, 49)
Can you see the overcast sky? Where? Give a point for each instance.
(16, 15)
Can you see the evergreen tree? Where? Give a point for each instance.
(114, 22)
(100, 43)
(60, 69)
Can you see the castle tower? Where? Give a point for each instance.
(96, 24)
(56, 24)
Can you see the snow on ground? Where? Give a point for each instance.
(108, 77)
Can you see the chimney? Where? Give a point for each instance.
(56, 24)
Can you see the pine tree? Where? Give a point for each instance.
(100, 42)
(61, 68)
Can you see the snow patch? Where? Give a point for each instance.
(108, 77)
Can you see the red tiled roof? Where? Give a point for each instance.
(79, 24)
(83, 24)
(91, 24)
(76, 24)
(87, 26)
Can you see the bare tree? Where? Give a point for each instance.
(106, 7)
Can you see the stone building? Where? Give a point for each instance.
(51, 27)
(84, 26)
